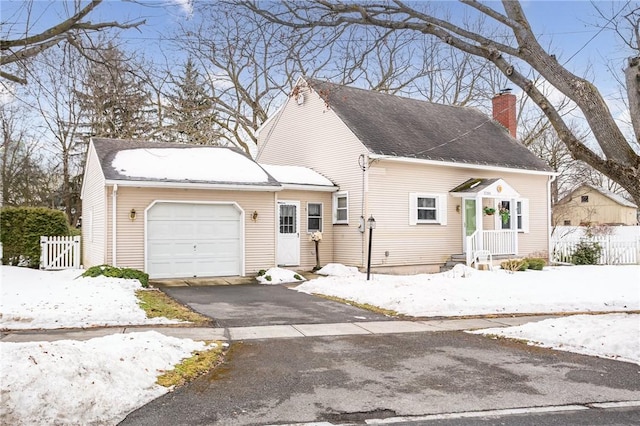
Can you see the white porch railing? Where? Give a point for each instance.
(60, 253)
(500, 242)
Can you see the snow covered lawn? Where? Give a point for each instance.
(465, 291)
(32, 299)
(98, 381)
(615, 336)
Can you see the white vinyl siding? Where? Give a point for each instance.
(314, 217)
(94, 212)
(427, 208)
(341, 208)
(329, 148)
(259, 241)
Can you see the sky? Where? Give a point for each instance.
(101, 380)
(571, 29)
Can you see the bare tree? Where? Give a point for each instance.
(19, 43)
(520, 58)
(25, 180)
(60, 76)
(250, 64)
(115, 96)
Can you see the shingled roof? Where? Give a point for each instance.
(108, 149)
(403, 127)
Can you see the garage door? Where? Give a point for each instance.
(194, 240)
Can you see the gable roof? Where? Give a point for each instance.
(402, 127)
(142, 162)
(612, 196)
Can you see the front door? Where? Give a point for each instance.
(469, 219)
(288, 233)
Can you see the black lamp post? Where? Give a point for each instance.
(372, 225)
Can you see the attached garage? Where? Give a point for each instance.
(182, 211)
(194, 240)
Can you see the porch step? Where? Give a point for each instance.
(455, 259)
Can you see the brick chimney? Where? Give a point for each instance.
(504, 110)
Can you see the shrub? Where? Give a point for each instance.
(514, 265)
(21, 229)
(115, 272)
(586, 253)
(267, 277)
(297, 277)
(261, 272)
(536, 263)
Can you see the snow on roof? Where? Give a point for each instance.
(210, 164)
(297, 175)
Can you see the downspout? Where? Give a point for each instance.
(549, 224)
(114, 197)
(362, 162)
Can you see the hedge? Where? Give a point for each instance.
(21, 229)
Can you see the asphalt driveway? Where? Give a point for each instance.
(249, 305)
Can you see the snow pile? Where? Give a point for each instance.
(615, 336)
(98, 381)
(32, 299)
(455, 293)
(279, 276)
(338, 270)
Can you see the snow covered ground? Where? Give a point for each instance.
(98, 381)
(465, 291)
(30, 298)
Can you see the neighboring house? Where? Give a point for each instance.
(177, 210)
(589, 205)
(425, 172)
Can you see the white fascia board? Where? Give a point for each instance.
(196, 185)
(302, 187)
(460, 165)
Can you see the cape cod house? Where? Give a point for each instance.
(439, 181)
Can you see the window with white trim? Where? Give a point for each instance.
(314, 217)
(341, 208)
(520, 214)
(427, 208)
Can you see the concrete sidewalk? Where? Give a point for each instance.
(278, 331)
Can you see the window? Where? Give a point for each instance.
(567, 223)
(520, 215)
(314, 217)
(427, 208)
(584, 198)
(288, 219)
(341, 208)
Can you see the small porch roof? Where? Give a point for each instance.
(484, 188)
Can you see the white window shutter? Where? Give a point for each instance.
(442, 209)
(524, 205)
(413, 208)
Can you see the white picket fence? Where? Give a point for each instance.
(615, 250)
(60, 253)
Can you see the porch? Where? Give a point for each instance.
(502, 242)
(492, 215)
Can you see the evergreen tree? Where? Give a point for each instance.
(117, 101)
(191, 110)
